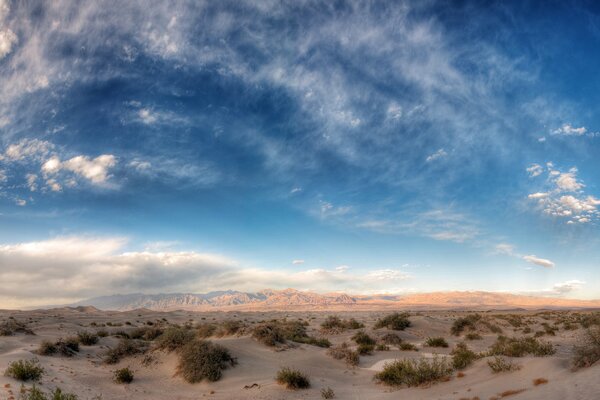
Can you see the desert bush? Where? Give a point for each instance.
(395, 321)
(470, 321)
(125, 348)
(47, 348)
(519, 347)
(499, 364)
(174, 338)
(292, 379)
(87, 338)
(473, 336)
(365, 349)
(587, 352)
(200, 359)
(361, 337)
(228, 328)
(436, 342)
(146, 333)
(12, 326)
(588, 320)
(492, 327)
(391, 339)
(343, 352)
(269, 334)
(462, 356)
(327, 393)
(335, 324)
(67, 347)
(206, 330)
(382, 347)
(414, 373)
(25, 370)
(123, 375)
(36, 394)
(527, 330)
(102, 333)
(405, 346)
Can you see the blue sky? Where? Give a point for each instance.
(359, 146)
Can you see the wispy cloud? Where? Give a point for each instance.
(542, 262)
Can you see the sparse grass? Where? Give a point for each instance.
(125, 348)
(25, 370)
(587, 352)
(228, 328)
(519, 347)
(460, 324)
(123, 375)
(200, 359)
(327, 393)
(362, 338)
(174, 337)
(343, 352)
(12, 326)
(436, 342)
(473, 336)
(269, 334)
(395, 321)
(333, 324)
(292, 379)
(36, 394)
(540, 381)
(414, 373)
(87, 338)
(462, 356)
(499, 364)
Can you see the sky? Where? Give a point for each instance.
(365, 147)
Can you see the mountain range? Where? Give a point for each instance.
(292, 299)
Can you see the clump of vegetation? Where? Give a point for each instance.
(36, 394)
(414, 373)
(228, 328)
(146, 333)
(361, 337)
(499, 364)
(296, 332)
(405, 346)
(206, 330)
(382, 347)
(327, 393)
(344, 352)
(491, 327)
(123, 375)
(65, 347)
(174, 337)
(519, 347)
(102, 333)
(460, 324)
(334, 324)
(391, 339)
(87, 338)
(47, 348)
(588, 320)
(436, 342)
(199, 360)
(125, 348)
(473, 336)
(12, 326)
(292, 379)
(587, 352)
(395, 321)
(269, 334)
(25, 370)
(365, 349)
(462, 356)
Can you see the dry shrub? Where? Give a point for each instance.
(414, 373)
(499, 364)
(343, 352)
(462, 356)
(519, 347)
(125, 348)
(460, 324)
(269, 334)
(395, 321)
(436, 342)
(174, 337)
(87, 338)
(25, 370)
(587, 352)
(292, 379)
(200, 359)
(123, 375)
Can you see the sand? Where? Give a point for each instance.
(87, 376)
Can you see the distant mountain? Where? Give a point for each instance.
(291, 299)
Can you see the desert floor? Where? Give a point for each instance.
(86, 375)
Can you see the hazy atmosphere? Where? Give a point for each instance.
(360, 147)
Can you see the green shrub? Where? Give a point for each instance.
(405, 346)
(391, 339)
(269, 334)
(174, 338)
(436, 342)
(67, 347)
(57, 394)
(519, 347)
(199, 360)
(228, 328)
(206, 330)
(32, 394)
(343, 352)
(382, 347)
(292, 379)
(470, 321)
(327, 393)
(296, 332)
(365, 349)
(25, 370)
(587, 352)
(414, 373)
(361, 337)
(125, 348)
(123, 375)
(146, 333)
(335, 324)
(47, 348)
(395, 321)
(462, 356)
(499, 364)
(87, 338)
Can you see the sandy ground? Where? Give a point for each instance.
(86, 375)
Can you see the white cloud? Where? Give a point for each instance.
(441, 153)
(569, 130)
(539, 261)
(568, 286)
(567, 181)
(296, 190)
(95, 170)
(21, 202)
(32, 182)
(7, 40)
(394, 111)
(538, 195)
(535, 170)
(505, 248)
(147, 116)
(27, 149)
(297, 262)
